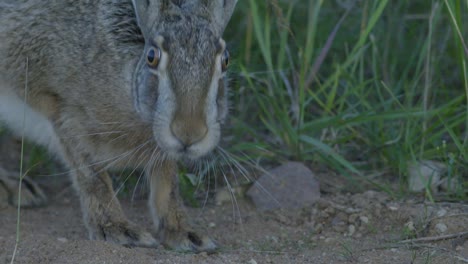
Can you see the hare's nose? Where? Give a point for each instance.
(189, 132)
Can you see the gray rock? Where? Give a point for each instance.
(290, 186)
(441, 228)
(426, 173)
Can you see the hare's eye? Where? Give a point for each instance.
(225, 61)
(153, 56)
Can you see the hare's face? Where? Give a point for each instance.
(179, 83)
(187, 75)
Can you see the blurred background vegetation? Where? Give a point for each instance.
(364, 88)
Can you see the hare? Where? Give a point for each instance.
(112, 84)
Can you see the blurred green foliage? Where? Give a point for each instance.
(354, 86)
(358, 86)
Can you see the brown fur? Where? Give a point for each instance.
(84, 66)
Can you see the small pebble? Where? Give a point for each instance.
(62, 239)
(352, 210)
(410, 226)
(330, 210)
(352, 218)
(319, 228)
(351, 230)
(441, 228)
(364, 219)
(252, 261)
(441, 212)
(341, 216)
(274, 239)
(340, 227)
(211, 225)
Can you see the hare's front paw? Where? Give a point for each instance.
(183, 240)
(31, 194)
(123, 233)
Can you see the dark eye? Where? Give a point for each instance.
(153, 57)
(225, 61)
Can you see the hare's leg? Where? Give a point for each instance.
(102, 212)
(31, 194)
(168, 212)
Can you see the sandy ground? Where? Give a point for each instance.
(366, 227)
(341, 228)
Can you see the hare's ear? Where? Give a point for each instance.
(221, 11)
(147, 11)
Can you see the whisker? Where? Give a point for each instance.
(122, 184)
(118, 138)
(134, 169)
(114, 160)
(210, 172)
(93, 134)
(230, 158)
(208, 188)
(234, 202)
(142, 173)
(234, 159)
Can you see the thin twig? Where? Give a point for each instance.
(390, 246)
(21, 176)
(434, 238)
(447, 216)
(452, 254)
(271, 252)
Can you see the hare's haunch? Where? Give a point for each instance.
(110, 84)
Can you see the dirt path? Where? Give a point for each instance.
(359, 228)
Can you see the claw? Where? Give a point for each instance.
(31, 194)
(189, 242)
(125, 233)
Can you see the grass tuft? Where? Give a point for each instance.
(361, 88)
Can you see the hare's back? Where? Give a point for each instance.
(35, 37)
(51, 35)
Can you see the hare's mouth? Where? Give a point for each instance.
(186, 153)
(189, 155)
(187, 150)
